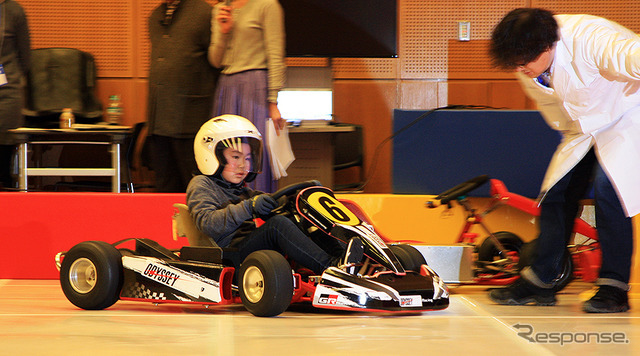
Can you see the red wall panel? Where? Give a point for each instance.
(36, 226)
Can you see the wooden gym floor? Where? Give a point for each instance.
(36, 319)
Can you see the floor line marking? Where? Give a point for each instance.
(509, 332)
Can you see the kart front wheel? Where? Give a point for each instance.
(410, 258)
(91, 275)
(266, 283)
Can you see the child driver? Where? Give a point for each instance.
(228, 151)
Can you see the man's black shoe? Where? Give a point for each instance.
(608, 299)
(522, 292)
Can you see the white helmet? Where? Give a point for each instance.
(226, 131)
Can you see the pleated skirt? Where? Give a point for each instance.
(245, 94)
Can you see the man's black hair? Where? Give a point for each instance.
(521, 36)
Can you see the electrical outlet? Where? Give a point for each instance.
(464, 30)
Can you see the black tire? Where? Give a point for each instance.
(91, 275)
(528, 254)
(410, 258)
(266, 283)
(488, 251)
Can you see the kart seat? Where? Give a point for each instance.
(185, 227)
(201, 247)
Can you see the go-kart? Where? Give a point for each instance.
(501, 255)
(389, 278)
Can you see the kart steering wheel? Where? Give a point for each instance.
(287, 192)
(292, 188)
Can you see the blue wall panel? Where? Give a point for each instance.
(448, 147)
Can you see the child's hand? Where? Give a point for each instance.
(263, 204)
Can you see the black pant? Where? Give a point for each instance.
(558, 211)
(173, 163)
(282, 235)
(6, 159)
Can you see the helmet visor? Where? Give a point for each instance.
(245, 152)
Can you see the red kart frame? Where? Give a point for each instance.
(586, 255)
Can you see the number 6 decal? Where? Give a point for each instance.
(332, 209)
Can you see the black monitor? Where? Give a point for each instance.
(340, 28)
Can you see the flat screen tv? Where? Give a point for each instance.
(340, 28)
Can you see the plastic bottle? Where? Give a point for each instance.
(67, 119)
(114, 110)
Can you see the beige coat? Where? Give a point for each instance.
(595, 102)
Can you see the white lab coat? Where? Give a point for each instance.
(595, 100)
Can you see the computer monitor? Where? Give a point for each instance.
(299, 105)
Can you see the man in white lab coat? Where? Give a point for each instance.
(584, 74)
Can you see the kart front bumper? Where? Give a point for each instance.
(410, 292)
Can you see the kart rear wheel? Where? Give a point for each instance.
(91, 275)
(266, 283)
(410, 258)
(527, 255)
(489, 252)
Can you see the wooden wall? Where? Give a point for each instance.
(432, 69)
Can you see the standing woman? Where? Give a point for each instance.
(15, 55)
(248, 43)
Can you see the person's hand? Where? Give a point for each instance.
(263, 204)
(278, 122)
(224, 19)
